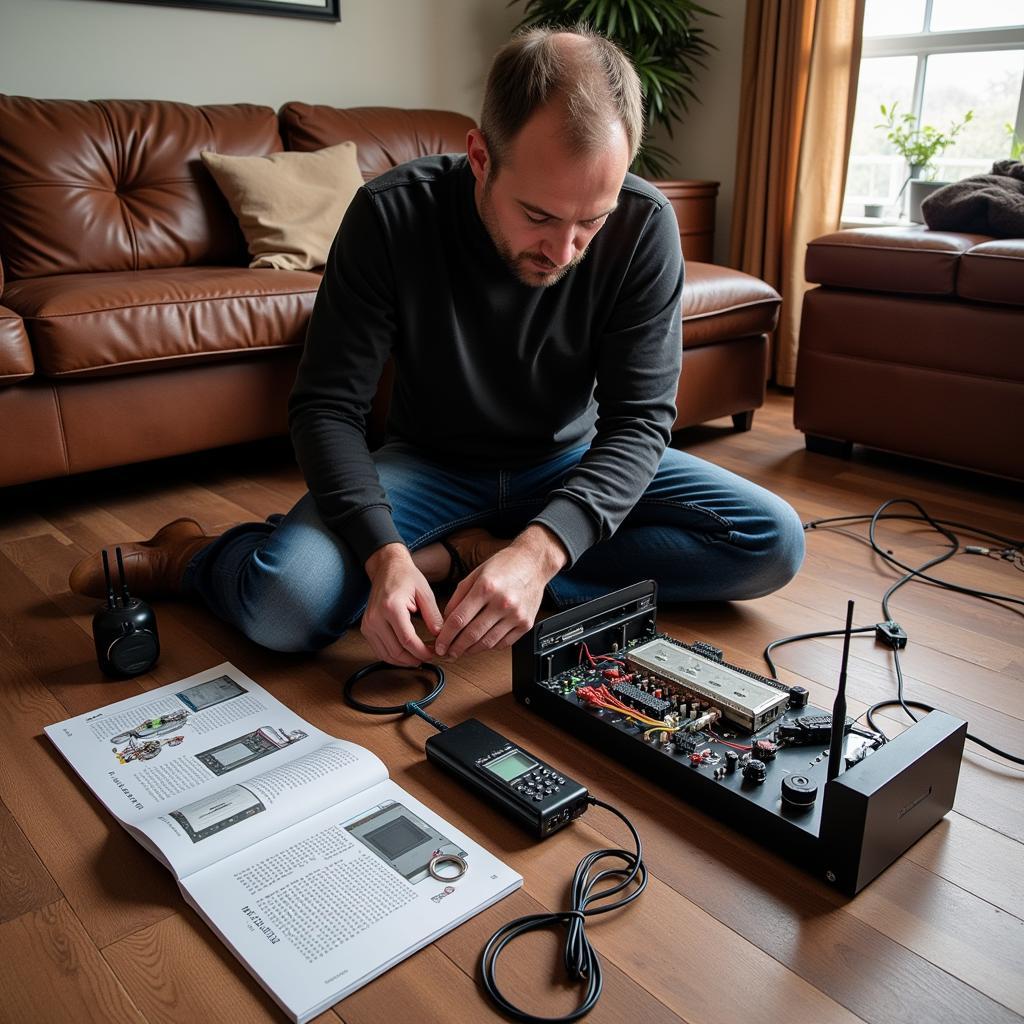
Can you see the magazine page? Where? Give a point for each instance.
(318, 910)
(201, 768)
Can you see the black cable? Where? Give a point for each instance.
(581, 960)
(974, 531)
(413, 707)
(918, 573)
(910, 573)
(908, 704)
(767, 652)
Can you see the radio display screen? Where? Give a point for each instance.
(514, 763)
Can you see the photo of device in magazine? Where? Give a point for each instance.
(307, 861)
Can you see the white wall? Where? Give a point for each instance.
(406, 53)
(705, 143)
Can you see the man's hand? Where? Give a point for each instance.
(397, 591)
(498, 601)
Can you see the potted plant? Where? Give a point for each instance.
(667, 47)
(919, 145)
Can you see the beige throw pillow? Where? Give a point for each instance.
(288, 205)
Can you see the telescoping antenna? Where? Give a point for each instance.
(111, 599)
(835, 750)
(125, 596)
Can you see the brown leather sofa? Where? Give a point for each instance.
(914, 343)
(131, 327)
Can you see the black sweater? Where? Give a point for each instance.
(489, 372)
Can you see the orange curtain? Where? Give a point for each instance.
(797, 98)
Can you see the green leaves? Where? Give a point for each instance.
(663, 40)
(919, 144)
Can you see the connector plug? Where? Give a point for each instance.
(892, 634)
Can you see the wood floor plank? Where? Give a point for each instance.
(428, 989)
(405, 760)
(25, 884)
(112, 884)
(178, 971)
(530, 972)
(951, 850)
(948, 926)
(727, 931)
(51, 971)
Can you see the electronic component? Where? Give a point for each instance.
(519, 783)
(858, 823)
(798, 697)
(892, 634)
(685, 742)
(652, 707)
(124, 631)
(765, 750)
(799, 790)
(748, 702)
(807, 730)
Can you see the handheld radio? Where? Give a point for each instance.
(125, 633)
(540, 797)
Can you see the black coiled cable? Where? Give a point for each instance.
(581, 960)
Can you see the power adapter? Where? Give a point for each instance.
(892, 634)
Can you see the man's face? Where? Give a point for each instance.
(545, 203)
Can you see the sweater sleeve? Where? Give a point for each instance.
(638, 358)
(350, 335)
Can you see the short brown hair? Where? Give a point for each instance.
(595, 82)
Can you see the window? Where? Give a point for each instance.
(936, 59)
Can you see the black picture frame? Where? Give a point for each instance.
(325, 10)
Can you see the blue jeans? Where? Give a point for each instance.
(701, 532)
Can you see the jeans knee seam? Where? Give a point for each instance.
(689, 506)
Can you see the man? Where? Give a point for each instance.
(529, 294)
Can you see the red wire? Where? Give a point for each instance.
(726, 743)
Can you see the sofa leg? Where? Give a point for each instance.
(743, 420)
(828, 446)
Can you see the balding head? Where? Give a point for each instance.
(585, 77)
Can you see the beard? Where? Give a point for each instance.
(531, 268)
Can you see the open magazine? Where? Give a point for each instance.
(315, 869)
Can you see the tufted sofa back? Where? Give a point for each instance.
(384, 136)
(119, 184)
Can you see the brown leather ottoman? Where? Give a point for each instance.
(727, 317)
(914, 343)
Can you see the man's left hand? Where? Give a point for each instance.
(498, 601)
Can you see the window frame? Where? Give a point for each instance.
(927, 42)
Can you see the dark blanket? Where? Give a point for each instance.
(986, 204)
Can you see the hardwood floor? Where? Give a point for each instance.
(92, 928)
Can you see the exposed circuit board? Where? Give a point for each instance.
(738, 727)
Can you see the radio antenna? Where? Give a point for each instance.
(125, 596)
(111, 599)
(835, 750)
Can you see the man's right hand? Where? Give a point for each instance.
(397, 591)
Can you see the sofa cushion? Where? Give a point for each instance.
(911, 260)
(993, 272)
(15, 353)
(384, 136)
(289, 205)
(102, 324)
(721, 304)
(118, 184)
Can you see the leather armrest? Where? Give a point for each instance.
(16, 361)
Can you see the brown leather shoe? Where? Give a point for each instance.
(152, 568)
(469, 548)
